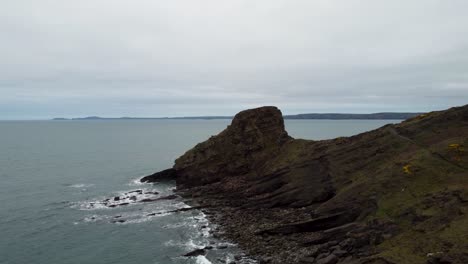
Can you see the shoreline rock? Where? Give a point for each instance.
(391, 195)
(196, 252)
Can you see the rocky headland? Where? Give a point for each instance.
(397, 194)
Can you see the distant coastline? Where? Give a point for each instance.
(323, 116)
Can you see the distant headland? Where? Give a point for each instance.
(331, 116)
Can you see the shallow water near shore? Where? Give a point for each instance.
(58, 179)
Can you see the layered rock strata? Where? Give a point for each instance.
(397, 194)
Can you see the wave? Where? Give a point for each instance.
(202, 260)
(137, 182)
(132, 207)
(124, 198)
(80, 185)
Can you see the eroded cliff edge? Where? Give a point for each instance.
(397, 194)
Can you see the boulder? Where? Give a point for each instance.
(196, 252)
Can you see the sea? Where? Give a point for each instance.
(70, 190)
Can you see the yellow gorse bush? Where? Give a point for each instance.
(454, 146)
(457, 150)
(406, 169)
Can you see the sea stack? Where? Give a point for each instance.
(397, 194)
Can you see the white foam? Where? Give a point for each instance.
(137, 182)
(93, 218)
(191, 244)
(202, 260)
(188, 245)
(176, 225)
(143, 219)
(124, 197)
(206, 231)
(229, 259)
(89, 205)
(81, 185)
(170, 243)
(227, 243)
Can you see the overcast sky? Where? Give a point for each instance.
(212, 57)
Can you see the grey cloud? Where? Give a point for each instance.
(166, 58)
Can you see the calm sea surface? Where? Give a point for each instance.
(56, 175)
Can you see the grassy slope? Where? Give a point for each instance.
(409, 170)
(420, 181)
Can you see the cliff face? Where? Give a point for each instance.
(397, 194)
(253, 138)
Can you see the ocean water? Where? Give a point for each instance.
(59, 180)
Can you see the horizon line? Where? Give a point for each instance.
(286, 116)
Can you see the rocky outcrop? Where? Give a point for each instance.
(165, 175)
(396, 194)
(253, 138)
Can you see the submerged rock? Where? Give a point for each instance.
(135, 191)
(168, 197)
(196, 252)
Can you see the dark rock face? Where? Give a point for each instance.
(251, 139)
(165, 175)
(196, 252)
(391, 195)
(242, 159)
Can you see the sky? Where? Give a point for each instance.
(151, 58)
